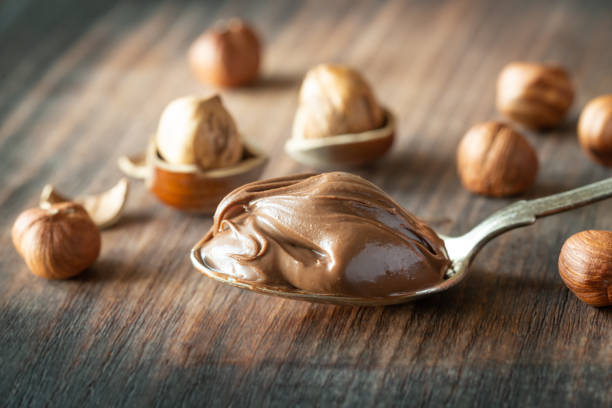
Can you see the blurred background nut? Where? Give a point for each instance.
(536, 95)
(335, 100)
(585, 265)
(595, 129)
(56, 242)
(198, 131)
(495, 160)
(228, 54)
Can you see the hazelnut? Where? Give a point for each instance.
(199, 132)
(56, 242)
(335, 100)
(495, 160)
(595, 129)
(226, 55)
(535, 95)
(585, 265)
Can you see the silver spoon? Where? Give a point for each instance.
(461, 250)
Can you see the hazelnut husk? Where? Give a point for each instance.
(495, 160)
(198, 131)
(585, 265)
(595, 129)
(535, 95)
(335, 100)
(56, 242)
(227, 55)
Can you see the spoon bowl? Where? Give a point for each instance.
(461, 250)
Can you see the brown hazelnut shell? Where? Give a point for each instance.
(344, 150)
(595, 129)
(226, 55)
(585, 265)
(57, 242)
(495, 160)
(187, 187)
(538, 96)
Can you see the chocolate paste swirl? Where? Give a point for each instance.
(332, 233)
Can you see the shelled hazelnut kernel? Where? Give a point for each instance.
(495, 160)
(198, 131)
(335, 100)
(595, 129)
(536, 95)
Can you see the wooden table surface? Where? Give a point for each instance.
(83, 82)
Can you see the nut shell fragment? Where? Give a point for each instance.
(104, 209)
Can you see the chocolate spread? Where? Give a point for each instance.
(332, 233)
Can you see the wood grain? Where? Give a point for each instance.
(82, 83)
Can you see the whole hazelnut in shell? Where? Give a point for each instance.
(585, 265)
(595, 129)
(495, 160)
(535, 95)
(228, 54)
(56, 242)
(198, 131)
(335, 100)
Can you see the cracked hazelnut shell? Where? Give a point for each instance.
(495, 160)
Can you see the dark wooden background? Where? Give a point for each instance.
(84, 82)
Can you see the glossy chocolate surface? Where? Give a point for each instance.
(332, 233)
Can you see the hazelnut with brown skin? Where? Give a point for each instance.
(535, 95)
(335, 100)
(595, 129)
(56, 242)
(495, 160)
(228, 54)
(585, 265)
(198, 131)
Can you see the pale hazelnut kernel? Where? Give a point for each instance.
(335, 100)
(198, 131)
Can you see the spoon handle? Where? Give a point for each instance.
(525, 212)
